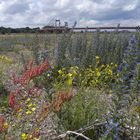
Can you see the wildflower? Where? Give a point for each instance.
(102, 66)
(60, 72)
(28, 75)
(13, 125)
(96, 81)
(30, 105)
(19, 110)
(108, 66)
(76, 67)
(120, 68)
(19, 116)
(5, 59)
(96, 69)
(24, 136)
(12, 100)
(98, 74)
(72, 68)
(28, 100)
(117, 74)
(28, 112)
(33, 109)
(106, 77)
(5, 125)
(115, 65)
(97, 57)
(69, 75)
(110, 72)
(36, 133)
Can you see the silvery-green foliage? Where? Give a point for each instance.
(88, 106)
(6, 44)
(23, 61)
(60, 50)
(43, 55)
(77, 50)
(35, 48)
(81, 48)
(130, 60)
(47, 41)
(93, 48)
(124, 93)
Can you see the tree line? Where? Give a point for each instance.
(9, 30)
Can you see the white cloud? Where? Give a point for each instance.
(62, 3)
(86, 12)
(130, 6)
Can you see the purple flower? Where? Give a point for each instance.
(120, 68)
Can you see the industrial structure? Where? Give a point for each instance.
(55, 26)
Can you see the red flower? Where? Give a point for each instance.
(12, 100)
(31, 72)
(28, 74)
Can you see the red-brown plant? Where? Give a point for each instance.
(28, 74)
(24, 90)
(3, 124)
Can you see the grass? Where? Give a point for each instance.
(78, 98)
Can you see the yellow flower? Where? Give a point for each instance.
(110, 72)
(107, 66)
(30, 105)
(28, 100)
(96, 69)
(97, 57)
(96, 81)
(24, 136)
(13, 125)
(116, 65)
(19, 116)
(33, 109)
(60, 72)
(19, 110)
(69, 74)
(63, 69)
(98, 74)
(103, 66)
(117, 74)
(106, 77)
(5, 59)
(28, 112)
(72, 68)
(76, 67)
(5, 125)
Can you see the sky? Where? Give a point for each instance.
(34, 13)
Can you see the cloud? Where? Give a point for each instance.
(17, 8)
(18, 13)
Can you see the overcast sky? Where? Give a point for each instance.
(21, 13)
